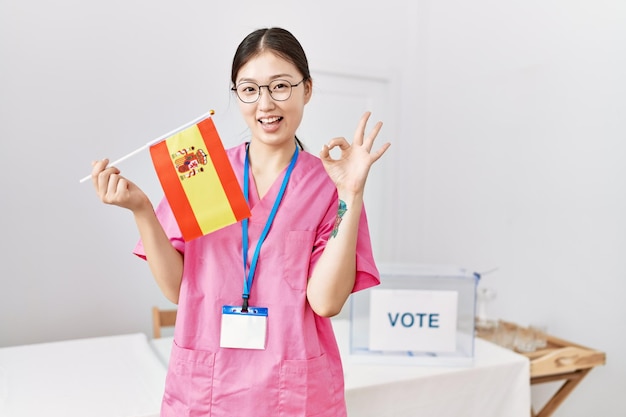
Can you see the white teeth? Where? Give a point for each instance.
(269, 120)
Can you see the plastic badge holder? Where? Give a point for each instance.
(416, 279)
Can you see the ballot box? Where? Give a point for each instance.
(419, 314)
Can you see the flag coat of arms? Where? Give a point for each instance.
(198, 180)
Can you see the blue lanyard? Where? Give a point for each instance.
(247, 278)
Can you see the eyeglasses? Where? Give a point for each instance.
(280, 90)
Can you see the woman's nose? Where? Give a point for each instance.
(265, 100)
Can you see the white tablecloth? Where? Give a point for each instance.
(496, 385)
(117, 376)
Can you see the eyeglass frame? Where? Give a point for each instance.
(291, 86)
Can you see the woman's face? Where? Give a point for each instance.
(273, 122)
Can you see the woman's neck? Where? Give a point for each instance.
(267, 162)
(270, 159)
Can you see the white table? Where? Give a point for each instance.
(496, 385)
(117, 376)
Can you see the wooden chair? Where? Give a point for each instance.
(160, 319)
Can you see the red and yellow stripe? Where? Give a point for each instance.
(209, 200)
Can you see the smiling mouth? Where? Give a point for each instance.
(270, 120)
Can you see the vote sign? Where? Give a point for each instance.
(413, 320)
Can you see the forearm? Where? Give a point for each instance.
(333, 278)
(165, 262)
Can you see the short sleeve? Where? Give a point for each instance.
(367, 274)
(168, 222)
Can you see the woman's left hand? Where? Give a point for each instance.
(349, 172)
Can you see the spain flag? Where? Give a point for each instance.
(198, 180)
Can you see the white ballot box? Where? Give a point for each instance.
(419, 314)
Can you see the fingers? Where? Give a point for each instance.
(369, 141)
(105, 179)
(342, 143)
(359, 135)
(359, 140)
(112, 185)
(97, 167)
(376, 155)
(360, 130)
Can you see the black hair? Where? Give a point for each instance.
(277, 40)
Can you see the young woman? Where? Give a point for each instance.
(305, 248)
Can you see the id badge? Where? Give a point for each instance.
(243, 330)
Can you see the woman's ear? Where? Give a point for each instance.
(308, 90)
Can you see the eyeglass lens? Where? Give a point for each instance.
(249, 92)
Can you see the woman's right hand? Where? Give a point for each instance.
(112, 188)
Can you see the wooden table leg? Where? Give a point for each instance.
(572, 379)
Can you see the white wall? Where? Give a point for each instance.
(509, 150)
(519, 151)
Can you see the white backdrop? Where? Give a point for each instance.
(507, 127)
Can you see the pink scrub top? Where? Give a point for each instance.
(299, 373)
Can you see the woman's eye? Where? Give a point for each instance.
(248, 89)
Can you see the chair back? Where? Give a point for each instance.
(160, 319)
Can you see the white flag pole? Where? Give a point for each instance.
(159, 139)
